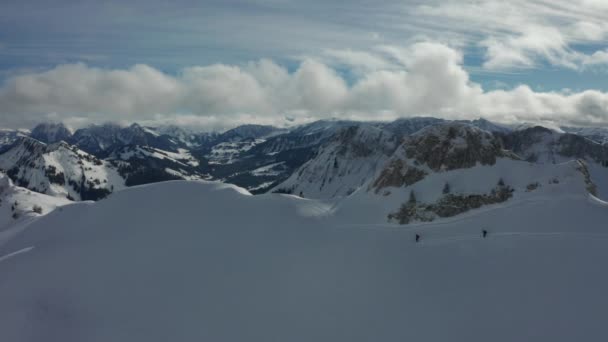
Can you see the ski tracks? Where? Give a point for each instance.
(13, 254)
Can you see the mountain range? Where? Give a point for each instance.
(359, 231)
(330, 160)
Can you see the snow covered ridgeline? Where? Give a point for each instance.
(59, 170)
(439, 148)
(184, 267)
(17, 203)
(244, 155)
(364, 163)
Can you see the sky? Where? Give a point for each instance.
(218, 63)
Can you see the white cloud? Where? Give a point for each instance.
(430, 80)
(523, 33)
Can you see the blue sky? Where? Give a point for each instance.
(364, 51)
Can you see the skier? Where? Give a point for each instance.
(484, 233)
(417, 237)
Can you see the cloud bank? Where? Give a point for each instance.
(419, 79)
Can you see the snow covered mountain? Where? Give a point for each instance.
(260, 158)
(344, 164)
(99, 139)
(513, 221)
(260, 162)
(51, 133)
(542, 145)
(249, 132)
(186, 137)
(59, 170)
(597, 134)
(445, 170)
(145, 164)
(359, 154)
(203, 258)
(9, 136)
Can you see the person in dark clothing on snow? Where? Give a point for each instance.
(484, 233)
(417, 237)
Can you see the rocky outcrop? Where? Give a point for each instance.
(442, 147)
(397, 174)
(449, 205)
(453, 146)
(584, 170)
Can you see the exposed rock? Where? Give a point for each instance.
(591, 187)
(449, 205)
(397, 174)
(532, 186)
(453, 146)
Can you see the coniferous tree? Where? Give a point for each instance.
(446, 188)
(412, 199)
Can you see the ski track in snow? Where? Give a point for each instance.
(492, 236)
(13, 254)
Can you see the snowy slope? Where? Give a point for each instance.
(230, 151)
(450, 169)
(360, 154)
(9, 136)
(344, 164)
(529, 181)
(59, 170)
(145, 164)
(17, 204)
(184, 267)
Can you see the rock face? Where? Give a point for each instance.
(441, 147)
(453, 146)
(584, 170)
(398, 174)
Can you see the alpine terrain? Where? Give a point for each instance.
(358, 231)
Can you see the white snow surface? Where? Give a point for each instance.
(21, 201)
(200, 261)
